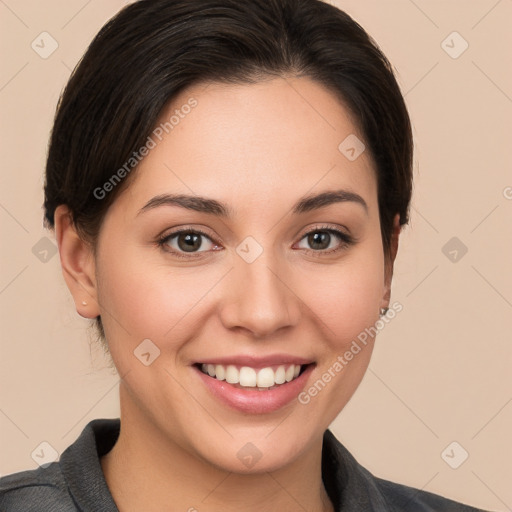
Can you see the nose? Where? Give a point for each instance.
(260, 298)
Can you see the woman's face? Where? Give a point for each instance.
(267, 284)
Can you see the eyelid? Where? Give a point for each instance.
(326, 227)
(187, 229)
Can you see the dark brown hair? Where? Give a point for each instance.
(153, 49)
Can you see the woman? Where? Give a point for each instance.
(227, 182)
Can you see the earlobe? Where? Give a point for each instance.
(388, 274)
(78, 265)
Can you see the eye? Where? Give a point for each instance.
(184, 243)
(189, 243)
(321, 240)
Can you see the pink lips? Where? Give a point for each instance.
(251, 400)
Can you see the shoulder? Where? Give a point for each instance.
(353, 487)
(403, 498)
(37, 490)
(75, 482)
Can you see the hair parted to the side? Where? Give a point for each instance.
(154, 49)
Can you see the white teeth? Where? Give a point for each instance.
(280, 377)
(232, 375)
(262, 379)
(266, 378)
(220, 372)
(247, 377)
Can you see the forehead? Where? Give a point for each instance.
(247, 142)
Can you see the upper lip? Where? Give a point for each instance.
(257, 361)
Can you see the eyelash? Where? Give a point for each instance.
(345, 241)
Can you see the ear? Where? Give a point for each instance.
(390, 260)
(77, 262)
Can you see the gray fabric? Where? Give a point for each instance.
(76, 482)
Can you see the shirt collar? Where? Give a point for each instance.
(349, 485)
(81, 466)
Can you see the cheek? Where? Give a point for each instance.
(346, 300)
(140, 299)
(346, 297)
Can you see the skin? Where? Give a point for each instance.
(258, 148)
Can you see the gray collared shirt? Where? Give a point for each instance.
(76, 481)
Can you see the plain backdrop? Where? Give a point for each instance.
(441, 370)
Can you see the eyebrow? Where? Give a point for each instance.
(214, 207)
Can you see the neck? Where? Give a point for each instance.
(145, 470)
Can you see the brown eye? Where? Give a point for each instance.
(186, 243)
(323, 241)
(189, 242)
(319, 240)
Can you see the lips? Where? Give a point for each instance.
(255, 385)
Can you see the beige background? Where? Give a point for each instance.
(441, 368)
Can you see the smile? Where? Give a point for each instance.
(247, 377)
(255, 386)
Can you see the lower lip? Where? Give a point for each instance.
(252, 400)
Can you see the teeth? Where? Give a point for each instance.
(249, 377)
(266, 378)
(220, 372)
(280, 376)
(232, 375)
